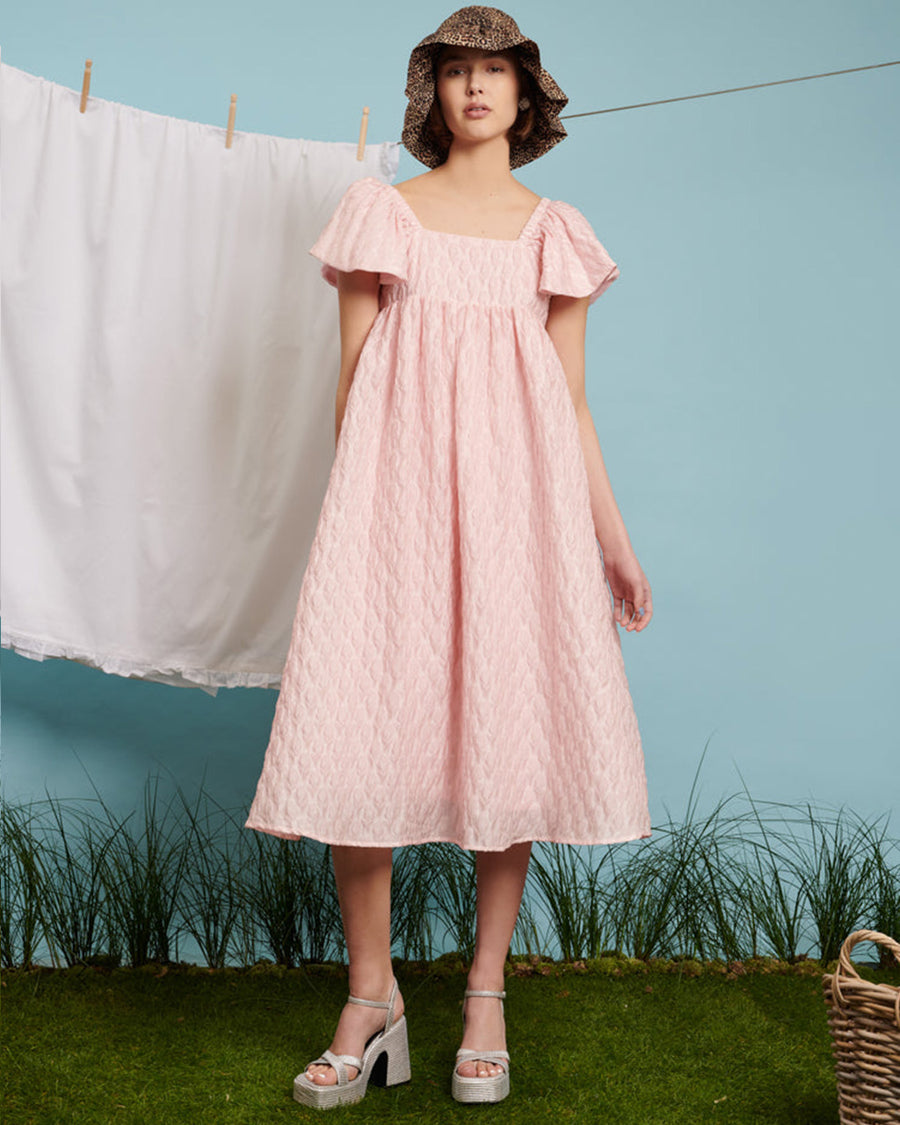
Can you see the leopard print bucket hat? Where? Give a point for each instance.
(490, 30)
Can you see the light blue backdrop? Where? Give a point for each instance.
(743, 371)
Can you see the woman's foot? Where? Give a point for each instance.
(485, 1030)
(357, 1024)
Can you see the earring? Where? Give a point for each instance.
(524, 103)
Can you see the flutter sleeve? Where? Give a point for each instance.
(364, 233)
(573, 260)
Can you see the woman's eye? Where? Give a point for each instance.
(458, 69)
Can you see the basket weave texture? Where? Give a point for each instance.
(864, 1019)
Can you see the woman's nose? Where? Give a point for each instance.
(474, 86)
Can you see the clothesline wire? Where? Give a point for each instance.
(730, 90)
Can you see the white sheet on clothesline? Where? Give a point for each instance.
(169, 361)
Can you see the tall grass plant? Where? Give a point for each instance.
(79, 884)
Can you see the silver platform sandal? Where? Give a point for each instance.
(385, 1060)
(489, 1089)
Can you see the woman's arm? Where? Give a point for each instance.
(566, 326)
(358, 304)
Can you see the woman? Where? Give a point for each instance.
(455, 672)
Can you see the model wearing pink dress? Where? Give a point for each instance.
(454, 670)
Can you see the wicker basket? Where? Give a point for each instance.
(864, 1019)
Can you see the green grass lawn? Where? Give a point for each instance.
(186, 1044)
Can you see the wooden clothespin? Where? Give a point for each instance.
(363, 127)
(86, 84)
(231, 111)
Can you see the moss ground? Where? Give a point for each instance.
(616, 1043)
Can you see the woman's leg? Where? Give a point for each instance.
(363, 877)
(501, 880)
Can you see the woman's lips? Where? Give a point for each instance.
(477, 112)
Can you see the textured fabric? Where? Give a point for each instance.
(167, 351)
(454, 671)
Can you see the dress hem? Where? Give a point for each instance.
(286, 834)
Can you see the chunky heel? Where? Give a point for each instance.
(395, 1046)
(385, 1060)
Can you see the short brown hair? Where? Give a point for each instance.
(436, 129)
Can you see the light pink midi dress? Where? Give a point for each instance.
(454, 670)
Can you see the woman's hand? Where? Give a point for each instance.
(630, 590)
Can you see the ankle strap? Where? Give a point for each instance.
(484, 992)
(389, 1003)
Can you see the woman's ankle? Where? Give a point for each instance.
(486, 977)
(371, 982)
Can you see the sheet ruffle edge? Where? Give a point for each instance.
(208, 680)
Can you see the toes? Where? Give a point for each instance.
(324, 1075)
(478, 1069)
(321, 1075)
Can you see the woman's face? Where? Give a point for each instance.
(467, 77)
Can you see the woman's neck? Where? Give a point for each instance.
(480, 170)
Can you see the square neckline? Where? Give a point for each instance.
(532, 218)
